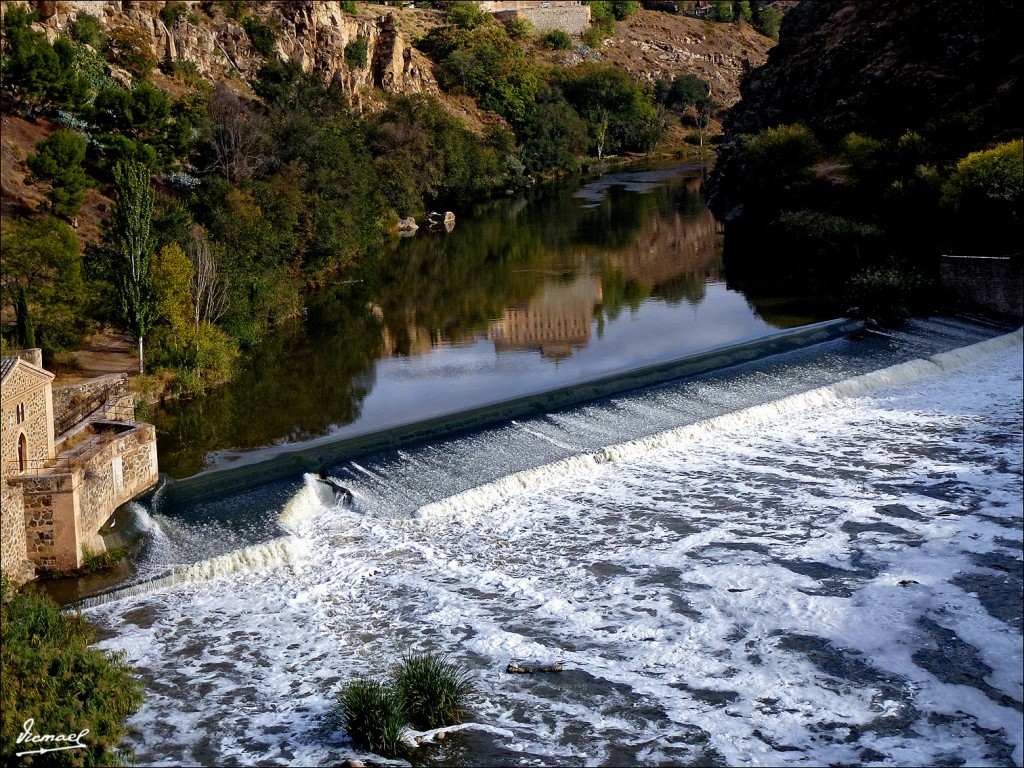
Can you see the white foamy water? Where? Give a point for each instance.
(832, 577)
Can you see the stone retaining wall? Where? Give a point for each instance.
(74, 402)
(991, 283)
(571, 19)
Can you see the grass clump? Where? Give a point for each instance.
(433, 689)
(373, 716)
(425, 690)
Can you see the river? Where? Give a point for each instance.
(811, 558)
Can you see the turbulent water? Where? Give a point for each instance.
(806, 562)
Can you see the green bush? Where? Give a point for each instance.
(373, 716)
(467, 16)
(433, 690)
(357, 52)
(86, 29)
(349, 6)
(49, 672)
(557, 40)
(171, 13)
(35, 74)
(767, 20)
(993, 177)
(780, 158)
(262, 34)
(518, 29)
(886, 294)
(236, 9)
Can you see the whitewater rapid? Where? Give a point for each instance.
(831, 576)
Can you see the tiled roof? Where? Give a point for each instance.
(6, 366)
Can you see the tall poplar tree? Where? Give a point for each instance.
(133, 278)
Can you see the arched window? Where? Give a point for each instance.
(20, 413)
(22, 453)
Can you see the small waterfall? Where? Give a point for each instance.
(489, 494)
(313, 496)
(277, 553)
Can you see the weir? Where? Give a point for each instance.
(274, 463)
(460, 476)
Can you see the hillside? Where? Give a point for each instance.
(649, 45)
(271, 146)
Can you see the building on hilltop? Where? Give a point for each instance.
(68, 459)
(570, 16)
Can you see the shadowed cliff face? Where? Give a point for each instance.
(878, 68)
(874, 67)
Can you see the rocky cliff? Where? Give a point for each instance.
(313, 33)
(881, 68)
(951, 70)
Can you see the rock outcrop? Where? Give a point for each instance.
(313, 33)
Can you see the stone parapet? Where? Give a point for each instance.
(73, 403)
(991, 283)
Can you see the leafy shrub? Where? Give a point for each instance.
(467, 16)
(517, 29)
(86, 29)
(236, 9)
(433, 690)
(357, 52)
(37, 75)
(349, 6)
(887, 294)
(262, 34)
(50, 673)
(171, 13)
(373, 716)
(724, 11)
(984, 192)
(557, 40)
(129, 48)
(780, 158)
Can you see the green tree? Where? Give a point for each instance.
(35, 74)
(356, 53)
(984, 191)
(724, 10)
(767, 20)
(58, 159)
(133, 278)
(41, 280)
(50, 672)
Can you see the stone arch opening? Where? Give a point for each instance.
(22, 452)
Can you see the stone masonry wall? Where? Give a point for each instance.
(22, 387)
(40, 493)
(72, 403)
(570, 19)
(995, 284)
(120, 471)
(64, 512)
(13, 557)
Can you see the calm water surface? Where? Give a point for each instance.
(525, 294)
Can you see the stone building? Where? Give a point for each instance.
(69, 459)
(570, 16)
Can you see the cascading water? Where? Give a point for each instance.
(804, 561)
